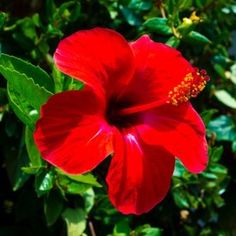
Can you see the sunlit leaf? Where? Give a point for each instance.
(224, 97)
(38, 75)
(158, 25)
(75, 220)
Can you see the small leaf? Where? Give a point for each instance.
(31, 170)
(215, 153)
(70, 186)
(147, 230)
(151, 232)
(173, 42)
(89, 197)
(75, 221)
(158, 25)
(53, 206)
(218, 169)
(44, 182)
(180, 198)
(196, 37)
(233, 73)
(84, 178)
(2, 19)
(224, 97)
(220, 70)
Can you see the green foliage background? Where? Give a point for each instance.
(37, 199)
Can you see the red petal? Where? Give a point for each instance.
(159, 68)
(101, 58)
(180, 131)
(72, 134)
(139, 175)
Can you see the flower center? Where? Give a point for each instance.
(191, 86)
(113, 115)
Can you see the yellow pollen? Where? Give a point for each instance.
(192, 84)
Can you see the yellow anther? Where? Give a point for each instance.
(192, 84)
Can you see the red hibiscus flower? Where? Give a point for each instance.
(134, 106)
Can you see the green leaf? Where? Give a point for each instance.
(14, 164)
(184, 4)
(2, 19)
(233, 73)
(215, 153)
(28, 28)
(173, 42)
(147, 230)
(218, 169)
(75, 221)
(234, 146)
(25, 96)
(71, 186)
(180, 198)
(122, 228)
(31, 170)
(85, 178)
(224, 97)
(179, 169)
(151, 232)
(89, 197)
(158, 25)
(34, 154)
(38, 75)
(130, 16)
(220, 70)
(44, 182)
(207, 115)
(196, 37)
(224, 127)
(53, 206)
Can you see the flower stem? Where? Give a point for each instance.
(92, 229)
(159, 4)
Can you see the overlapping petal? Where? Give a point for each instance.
(99, 57)
(139, 175)
(71, 133)
(180, 131)
(158, 69)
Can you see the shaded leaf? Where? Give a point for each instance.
(34, 155)
(53, 206)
